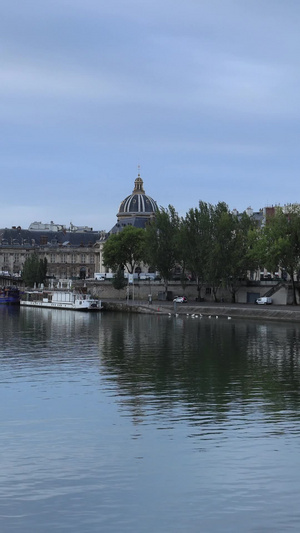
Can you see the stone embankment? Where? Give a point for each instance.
(280, 313)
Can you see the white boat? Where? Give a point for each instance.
(60, 299)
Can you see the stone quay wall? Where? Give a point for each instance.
(140, 291)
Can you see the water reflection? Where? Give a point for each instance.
(157, 363)
(209, 367)
(144, 423)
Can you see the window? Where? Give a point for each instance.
(83, 257)
(52, 258)
(92, 258)
(73, 258)
(208, 290)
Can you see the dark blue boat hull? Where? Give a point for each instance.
(9, 296)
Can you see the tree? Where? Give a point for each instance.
(220, 231)
(118, 281)
(162, 242)
(124, 249)
(239, 253)
(229, 256)
(34, 270)
(195, 242)
(279, 243)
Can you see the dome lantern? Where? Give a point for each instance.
(138, 186)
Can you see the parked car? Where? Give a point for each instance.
(264, 300)
(180, 299)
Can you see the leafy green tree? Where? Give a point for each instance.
(119, 282)
(254, 251)
(34, 270)
(239, 258)
(195, 242)
(220, 231)
(124, 249)
(162, 242)
(279, 243)
(229, 256)
(216, 246)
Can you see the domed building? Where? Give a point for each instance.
(136, 209)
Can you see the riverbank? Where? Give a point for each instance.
(237, 311)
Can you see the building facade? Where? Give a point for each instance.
(76, 251)
(70, 253)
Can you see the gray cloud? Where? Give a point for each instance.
(204, 95)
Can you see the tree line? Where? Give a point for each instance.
(215, 246)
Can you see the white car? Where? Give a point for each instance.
(180, 299)
(264, 300)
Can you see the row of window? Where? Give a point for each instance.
(84, 258)
(16, 257)
(64, 258)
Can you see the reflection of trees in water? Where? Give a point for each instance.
(208, 365)
(275, 352)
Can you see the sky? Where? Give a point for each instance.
(203, 95)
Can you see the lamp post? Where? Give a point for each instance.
(150, 291)
(130, 281)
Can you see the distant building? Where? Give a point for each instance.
(40, 226)
(68, 253)
(135, 210)
(261, 216)
(257, 216)
(74, 252)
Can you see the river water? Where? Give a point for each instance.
(148, 424)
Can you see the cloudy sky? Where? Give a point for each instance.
(202, 94)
